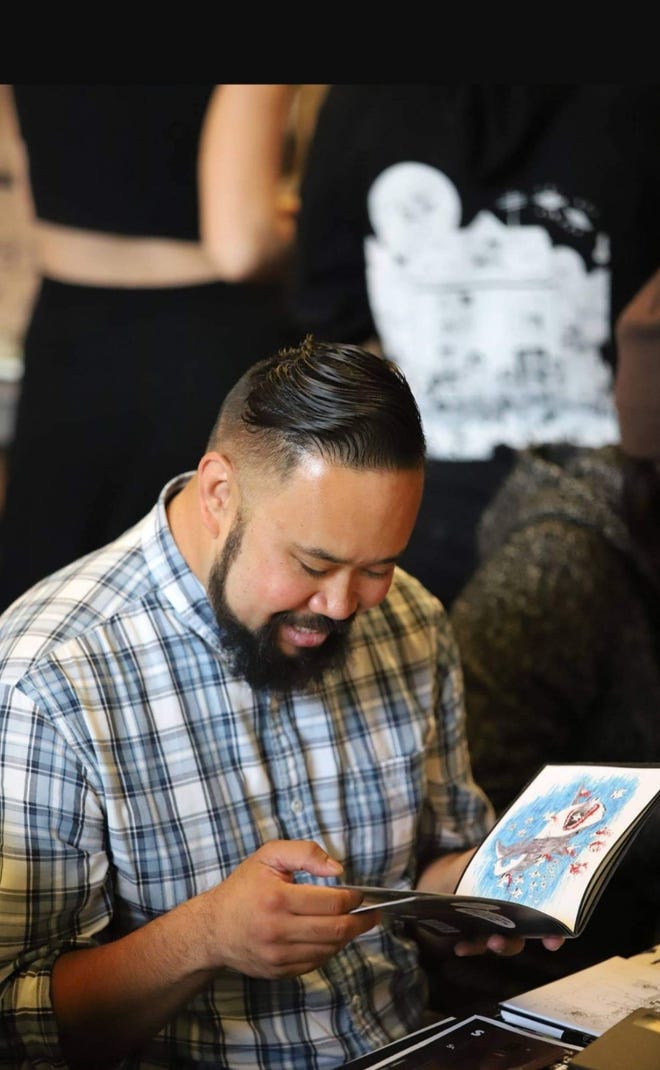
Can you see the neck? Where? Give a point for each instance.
(187, 532)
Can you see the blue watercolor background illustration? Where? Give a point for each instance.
(535, 881)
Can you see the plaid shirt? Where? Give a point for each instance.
(138, 771)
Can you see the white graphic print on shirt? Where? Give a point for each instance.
(497, 330)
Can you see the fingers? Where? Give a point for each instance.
(287, 856)
(505, 945)
(321, 899)
(337, 931)
(282, 944)
(312, 913)
(264, 923)
(501, 945)
(467, 948)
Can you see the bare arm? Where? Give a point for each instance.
(114, 998)
(247, 216)
(444, 873)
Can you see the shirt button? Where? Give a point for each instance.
(297, 806)
(355, 1002)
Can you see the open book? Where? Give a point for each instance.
(542, 868)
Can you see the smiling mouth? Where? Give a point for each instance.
(299, 636)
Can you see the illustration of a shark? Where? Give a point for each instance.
(553, 839)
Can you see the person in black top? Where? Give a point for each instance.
(485, 237)
(161, 233)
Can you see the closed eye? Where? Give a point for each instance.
(377, 575)
(372, 574)
(313, 571)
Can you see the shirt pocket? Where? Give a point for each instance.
(382, 807)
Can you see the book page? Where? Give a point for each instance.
(594, 999)
(458, 915)
(548, 847)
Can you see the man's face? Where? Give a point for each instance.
(310, 554)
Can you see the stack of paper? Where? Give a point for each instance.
(590, 1000)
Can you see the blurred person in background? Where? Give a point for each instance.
(559, 632)
(485, 237)
(163, 227)
(18, 276)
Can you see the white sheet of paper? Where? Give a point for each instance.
(594, 999)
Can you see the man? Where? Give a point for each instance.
(209, 722)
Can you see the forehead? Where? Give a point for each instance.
(351, 514)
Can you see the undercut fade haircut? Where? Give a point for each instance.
(347, 405)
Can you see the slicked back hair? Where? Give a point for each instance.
(347, 405)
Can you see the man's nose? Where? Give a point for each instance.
(337, 599)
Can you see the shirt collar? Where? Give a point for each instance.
(172, 576)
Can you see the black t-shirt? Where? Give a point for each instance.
(489, 235)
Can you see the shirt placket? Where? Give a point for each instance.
(295, 807)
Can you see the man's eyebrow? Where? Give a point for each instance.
(324, 555)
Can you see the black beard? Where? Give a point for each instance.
(256, 655)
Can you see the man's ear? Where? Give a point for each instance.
(217, 492)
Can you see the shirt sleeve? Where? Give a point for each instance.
(457, 814)
(53, 872)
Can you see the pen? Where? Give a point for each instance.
(535, 1025)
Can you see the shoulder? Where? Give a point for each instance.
(546, 555)
(410, 619)
(411, 602)
(65, 609)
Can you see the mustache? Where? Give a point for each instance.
(315, 622)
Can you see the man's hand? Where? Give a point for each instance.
(111, 999)
(434, 946)
(502, 945)
(442, 875)
(260, 922)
